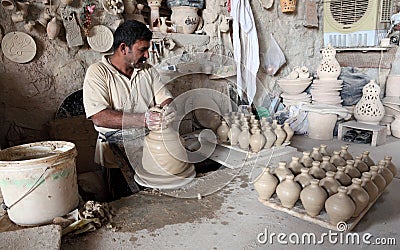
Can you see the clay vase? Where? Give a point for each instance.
(370, 109)
(163, 25)
(359, 196)
(185, 17)
(377, 178)
(316, 155)
(337, 160)
(289, 131)
(316, 171)
(323, 150)
(282, 171)
(360, 165)
(385, 172)
(345, 154)
(53, 28)
(253, 128)
(313, 198)
(244, 138)
(163, 153)
(304, 178)
(270, 137)
(280, 135)
(390, 165)
(306, 159)
(257, 141)
(326, 165)
(369, 186)
(288, 191)
(329, 183)
(129, 6)
(339, 206)
(233, 134)
(351, 170)
(265, 184)
(222, 132)
(329, 68)
(274, 123)
(295, 165)
(367, 159)
(342, 177)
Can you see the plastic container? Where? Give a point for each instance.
(39, 181)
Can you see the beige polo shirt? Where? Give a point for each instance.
(105, 87)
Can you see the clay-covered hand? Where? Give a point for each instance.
(154, 119)
(169, 114)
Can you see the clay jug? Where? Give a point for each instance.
(316, 155)
(367, 159)
(304, 177)
(377, 178)
(289, 131)
(274, 123)
(282, 171)
(360, 165)
(265, 184)
(385, 172)
(323, 150)
(329, 183)
(351, 170)
(345, 154)
(233, 134)
(369, 186)
(339, 206)
(342, 177)
(306, 159)
(257, 141)
(270, 137)
(359, 196)
(222, 132)
(280, 135)
(295, 165)
(326, 165)
(313, 198)
(390, 165)
(186, 18)
(316, 171)
(53, 28)
(288, 191)
(337, 160)
(244, 138)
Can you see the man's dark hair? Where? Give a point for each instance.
(131, 31)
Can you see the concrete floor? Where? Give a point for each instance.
(233, 218)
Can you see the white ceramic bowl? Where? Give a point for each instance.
(294, 87)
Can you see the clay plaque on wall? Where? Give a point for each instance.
(19, 47)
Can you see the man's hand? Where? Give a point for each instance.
(154, 119)
(169, 114)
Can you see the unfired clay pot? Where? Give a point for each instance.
(185, 17)
(306, 159)
(329, 183)
(53, 28)
(316, 170)
(233, 134)
(320, 126)
(326, 165)
(377, 178)
(289, 131)
(370, 109)
(295, 165)
(360, 165)
(288, 191)
(315, 154)
(367, 159)
(222, 132)
(351, 170)
(265, 184)
(337, 160)
(270, 137)
(313, 198)
(385, 172)
(342, 177)
(390, 165)
(369, 186)
(257, 141)
(345, 154)
(395, 126)
(323, 149)
(280, 135)
(244, 138)
(339, 206)
(282, 171)
(359, 196)
(329, 68)
(304, 178)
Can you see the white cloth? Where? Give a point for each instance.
(246, 48)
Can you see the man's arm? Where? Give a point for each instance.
(109, 118)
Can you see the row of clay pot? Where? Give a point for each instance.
(254, 134)
(341, 201)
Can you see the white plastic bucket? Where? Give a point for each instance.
(38, 181)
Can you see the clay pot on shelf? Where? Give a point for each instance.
(304, 178)
(369, 186)
(359, 196)
(288, 191)
(282, 171)
(265, 184)
(329, 68)
(185, 17)
(329, 183)
(313, 198)
(339, 206)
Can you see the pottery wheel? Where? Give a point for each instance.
(18, 47)
(100, 38)
(147, 179)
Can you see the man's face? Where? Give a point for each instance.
(138, 53)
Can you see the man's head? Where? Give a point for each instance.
(132, 40)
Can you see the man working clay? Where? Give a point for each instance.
(119, 91)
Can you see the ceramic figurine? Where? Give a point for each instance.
(369, 186)
(377, 178)
(370, 109)
(329, 183)
(288, 191)
(304, 177)
(282, 171)
(326, 165)
(313, 198)
(339, 206)
(359, 196)
(265, 184)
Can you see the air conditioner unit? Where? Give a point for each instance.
(356, 23)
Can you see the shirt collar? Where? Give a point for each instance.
(105, 60)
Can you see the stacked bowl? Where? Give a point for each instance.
(293, 90)
(326, 92)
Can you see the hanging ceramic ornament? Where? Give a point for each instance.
(370, 109)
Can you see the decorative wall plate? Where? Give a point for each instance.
(18, 47)
(113, 7)
(100, 38)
